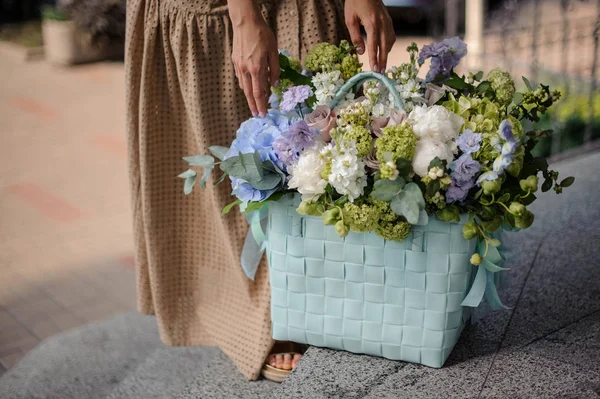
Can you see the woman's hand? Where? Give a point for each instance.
(373, 15)
(254, 54)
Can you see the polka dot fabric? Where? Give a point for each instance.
(182, 96)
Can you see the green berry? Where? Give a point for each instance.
(491, 186)
(529, 184)
(331, 216)
(476, 259)
(470, 230)
(341, 229)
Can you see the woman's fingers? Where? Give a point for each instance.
(248, 91)
(259, 89)
(372, 46)
(353, 26)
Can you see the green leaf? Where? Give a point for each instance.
(404, 167)
(218, 151)
(517, 98)
(244, 166)
(492, 225)
(483, 87)
(414, 190)
(423, 218)
(405, 205)
(528, 200)
(479, 75)
(205, 176)
(255, 205)
(547, 185)
(188, 173)
(284, 61)
(510, 219)
(432, 188)
(227, 208)
(189, 184)
(341, 201)
(527, 83)
(220, 179)
(450, 213)
(200, 160)
(386, 190)
(567, 181)
(505, 197)
(437, 162)
(478, 193)
(495, 242)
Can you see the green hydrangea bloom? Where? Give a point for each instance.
(360, 218)
(384, 212)
(322, 57)
(295, 64)
(503, 84)
(326, 170)
(393, 231)
(283, 85)
(387, 171)
(359, 134)
(400, 140)
(355, 115)
(350, 66)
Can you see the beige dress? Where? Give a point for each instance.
(182, 96)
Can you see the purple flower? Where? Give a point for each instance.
(293, 96)
(506, 132)
(293, 141)
(458, 190)
(445, 56)
(464, 168)
(469, 142)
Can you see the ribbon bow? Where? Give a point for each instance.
(256, 243)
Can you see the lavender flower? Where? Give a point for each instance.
(464, 168)
(458, 190)
(293, 141)
(506, 132)
(293, 96)
(285, 150)
(469, 142)
(444, 56)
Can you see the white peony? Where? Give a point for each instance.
(347, 175)
(306, 173)
(435, 122)
(427, 149)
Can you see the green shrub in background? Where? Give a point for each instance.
(54, 13)
(569, 120)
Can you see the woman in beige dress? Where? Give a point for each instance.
(183, 95)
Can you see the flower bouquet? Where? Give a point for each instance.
(386, 194)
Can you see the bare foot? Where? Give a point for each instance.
(284, 361)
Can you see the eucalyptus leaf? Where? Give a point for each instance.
(218, 151)
(205, 176)
(200, 160)
(189, 184)
(423, 218)
(268, 182)
(414, 190)
(244, 166)
(188, 173)
(386, 190)
(405, 205)
(220, 179)
(227, 208)
(567, 181)
(517, 98)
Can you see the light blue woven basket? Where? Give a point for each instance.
(364, 294)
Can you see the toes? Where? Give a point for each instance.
(279, 362)
(296, 359)
(272, 361)
(287, 361)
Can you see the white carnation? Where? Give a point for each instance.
(348, 175)
(326, 85)
(306, 173)
(428, 149)
(436, 123)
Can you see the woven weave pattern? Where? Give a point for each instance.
(364, 294)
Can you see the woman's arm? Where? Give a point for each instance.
(254, 53)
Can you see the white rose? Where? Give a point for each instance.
(306, 173)
(427, 149)
(435, 122)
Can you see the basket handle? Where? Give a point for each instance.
(360, 78)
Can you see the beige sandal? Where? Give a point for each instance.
(276, 374)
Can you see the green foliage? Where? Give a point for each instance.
(54, 13)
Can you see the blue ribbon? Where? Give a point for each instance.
(255, 244)
(487, 278)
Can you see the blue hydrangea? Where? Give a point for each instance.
(293, 96)
(445, 56)
(258, 134)
(469, 142)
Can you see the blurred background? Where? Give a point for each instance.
(66, 248)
